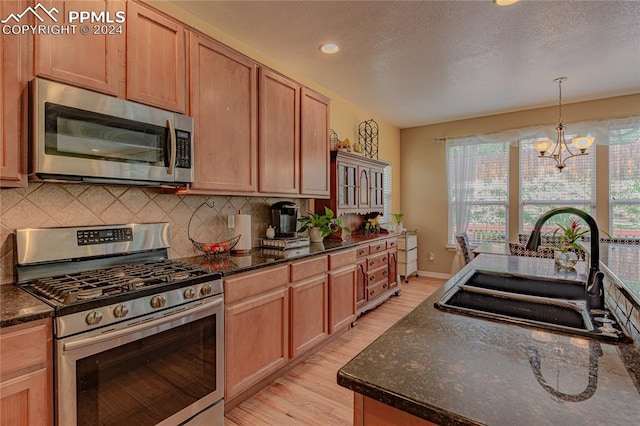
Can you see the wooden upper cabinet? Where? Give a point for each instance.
(223, 102)
(279, 141)
(156, 59)
(95, 60)
(14, 79)
(314, 144)
(377, 188)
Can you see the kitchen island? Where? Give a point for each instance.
(448, 368)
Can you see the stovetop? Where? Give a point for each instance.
(77, 287)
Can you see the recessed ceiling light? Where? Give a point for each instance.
(329, 48)
(504, 2)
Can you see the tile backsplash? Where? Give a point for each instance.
(47, 204)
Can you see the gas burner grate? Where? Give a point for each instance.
(71, 288)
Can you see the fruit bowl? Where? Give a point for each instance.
(216, 249)
(211, 249)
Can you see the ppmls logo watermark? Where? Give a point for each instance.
(77, 21)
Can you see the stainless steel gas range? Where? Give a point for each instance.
(139, 338)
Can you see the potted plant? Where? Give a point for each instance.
(565, 243)
(372, 226)
(397, 218)
(321, 225)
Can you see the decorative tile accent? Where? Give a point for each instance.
(48, 204)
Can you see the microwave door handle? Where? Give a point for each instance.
(172, 137)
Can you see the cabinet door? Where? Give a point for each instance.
(14, 78)
(314, 144)
(223, 103)
(309, 306)
(24, 400)
(156, 59)
(279, 140)
(364, 188)
(347, 186)
(342, 296)
(97, 61)
(377, 189)
(256, 339)
(393, 269)
(361, 283)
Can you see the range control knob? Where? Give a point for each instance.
(189, 293)
(206, 290)
(120, 311)
(158, 301)
(93, 318)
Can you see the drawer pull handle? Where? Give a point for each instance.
(371, 293)
(378, 247)
(384, 285)
(384, 272)
(371, 278)
(384, 259)
(372, 263)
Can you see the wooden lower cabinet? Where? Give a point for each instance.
(369, 412)
(393, 269)
(26, 379)
(342, 294)
(256, 327)
(361, 283)
(309, 311)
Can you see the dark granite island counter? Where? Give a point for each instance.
(454, 369)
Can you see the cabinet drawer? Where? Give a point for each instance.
(362, 251)
(254, 283)
(377, 247)
(24, 346)
(377, 276)
(375, 262)
(407, 256)
(408, 242)
(376, 290)
(392, 243)
(308, 268)
(343, 258)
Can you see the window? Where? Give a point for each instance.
(543, 187)
(477, 179)
(624, 182)
(387, 218)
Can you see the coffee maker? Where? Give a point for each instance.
(284, 218)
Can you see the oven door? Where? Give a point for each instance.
(163, 370)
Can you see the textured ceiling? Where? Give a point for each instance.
(421, 62)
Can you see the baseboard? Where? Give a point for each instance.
(434, 274)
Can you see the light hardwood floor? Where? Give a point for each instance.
(309, 394)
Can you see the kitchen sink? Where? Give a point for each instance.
(557, 305)
(532, 286)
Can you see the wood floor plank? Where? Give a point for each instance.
(308, 394)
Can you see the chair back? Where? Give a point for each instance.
(463, 242)
(518, 249)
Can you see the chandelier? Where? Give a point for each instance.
(561, 152)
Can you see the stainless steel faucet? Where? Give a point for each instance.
(594, 287)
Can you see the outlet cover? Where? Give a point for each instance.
(231, 221)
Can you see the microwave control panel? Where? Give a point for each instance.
(104, 236)
(183, 148)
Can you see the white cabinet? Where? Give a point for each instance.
(408, 254)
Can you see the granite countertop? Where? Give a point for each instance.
(18, 306)
(455, 369)
(265, 257)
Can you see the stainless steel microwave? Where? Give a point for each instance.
(79, 135)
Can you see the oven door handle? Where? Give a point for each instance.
(172, 137)
(89, 341)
